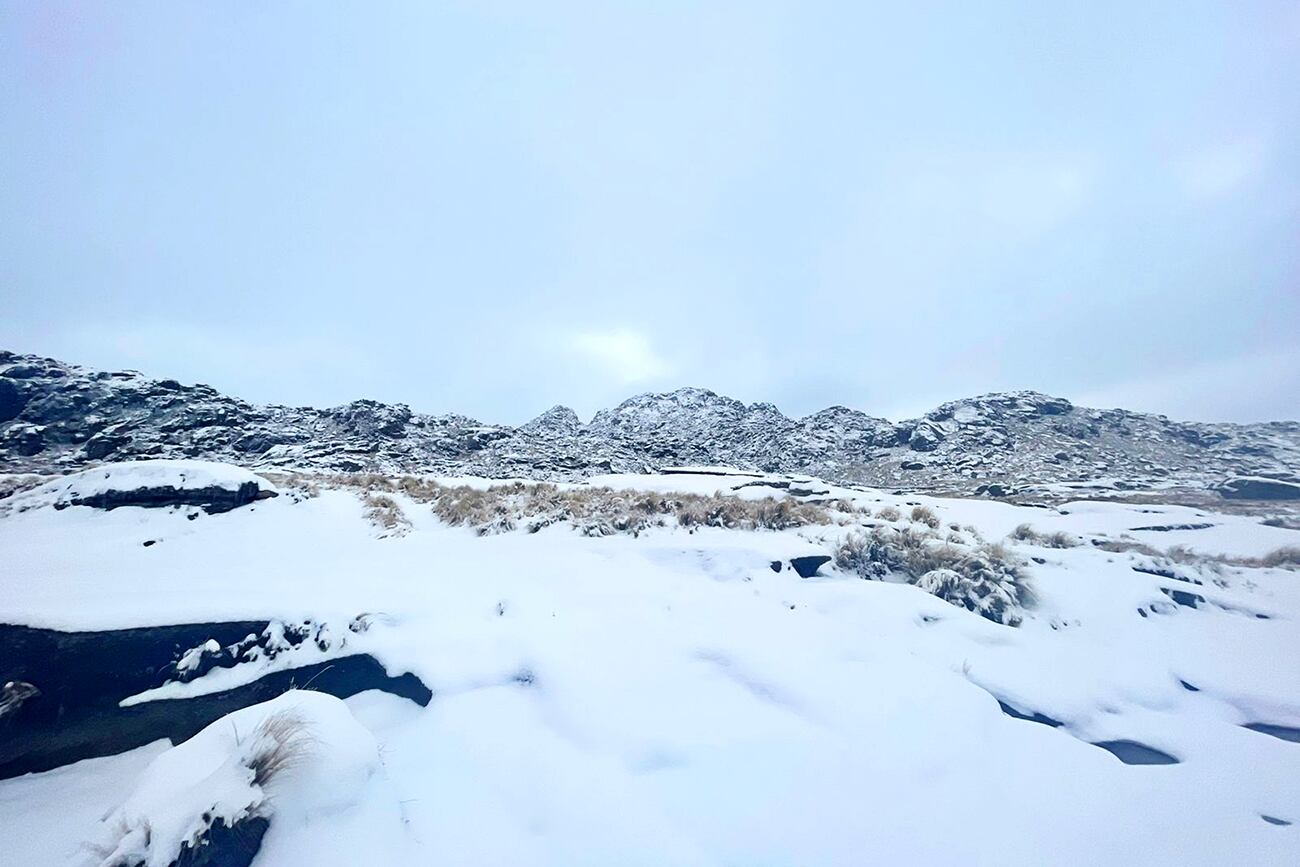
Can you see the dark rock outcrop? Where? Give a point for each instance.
(223, 845)
(212, 499)
(78, 679)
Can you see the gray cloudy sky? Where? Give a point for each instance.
(490, 207)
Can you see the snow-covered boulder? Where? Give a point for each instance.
(297, 780)
(214, 487)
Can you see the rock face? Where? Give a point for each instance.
(56, 417)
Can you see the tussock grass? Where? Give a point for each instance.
(1286, 557)
(386, 513)
(1026, 533)
(593, 511)
(925, 515)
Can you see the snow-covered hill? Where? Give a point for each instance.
(668, 691)
(56, 416)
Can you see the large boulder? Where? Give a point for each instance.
(12, 401)
(25, 439)
(926, 437)
(211, 486)
(102, 445)
(1258, 488)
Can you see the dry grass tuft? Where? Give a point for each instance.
(280, 742)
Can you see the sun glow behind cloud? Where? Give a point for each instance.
(623, 354)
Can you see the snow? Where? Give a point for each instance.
(668, 699)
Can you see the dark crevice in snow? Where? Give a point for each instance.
(1167, 528)
(1134, 753)
(1161, 572)
(1286, 733)
(1030, 716)
(1182, 597)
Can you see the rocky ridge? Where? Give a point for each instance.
(56, 417)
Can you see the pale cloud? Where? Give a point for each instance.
(1221, 168)
(1032, 195)
(1259, 386)
(622, 354)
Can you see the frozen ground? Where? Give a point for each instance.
(669, 699)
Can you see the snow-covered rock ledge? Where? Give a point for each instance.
(211, 486)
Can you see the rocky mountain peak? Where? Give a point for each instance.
(558, 421)
(56, 417)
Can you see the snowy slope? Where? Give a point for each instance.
(669, 699)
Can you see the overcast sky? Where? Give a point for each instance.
(490, 208)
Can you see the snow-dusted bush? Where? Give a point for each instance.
(988, 580)
(889, 513)
(983, 587)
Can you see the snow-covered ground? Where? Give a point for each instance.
(669, 699)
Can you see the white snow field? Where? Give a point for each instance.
(668, 699)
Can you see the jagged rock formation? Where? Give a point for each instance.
(55, 417)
